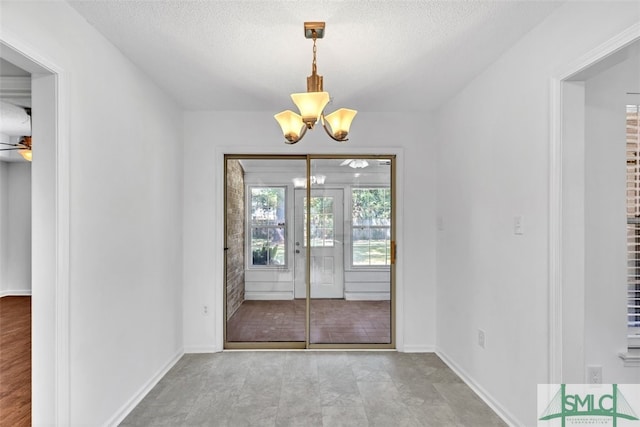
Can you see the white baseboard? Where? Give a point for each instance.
(263, 296)
(367, 296)
(18, 293)
(418, 349)
(500, 410)
(285, 296)
(201, 349)
(126, 409)
(14, 293)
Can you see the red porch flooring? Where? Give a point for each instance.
(332, 321)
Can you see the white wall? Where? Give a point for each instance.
(18, 251)
(4, 224)
(126, 219)
(605, 219)
(206, 136)
(573, 228)
(493, 165)
(15, 228)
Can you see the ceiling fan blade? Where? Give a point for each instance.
(15, 146)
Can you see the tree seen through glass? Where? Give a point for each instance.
(371, 226)
(268, 226)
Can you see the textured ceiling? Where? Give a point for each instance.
(375, 56)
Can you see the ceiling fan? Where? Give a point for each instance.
(355, 163)
(23, 146)
(362, 163)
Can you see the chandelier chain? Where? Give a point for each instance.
(314, 68)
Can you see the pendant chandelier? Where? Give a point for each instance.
(311, 103)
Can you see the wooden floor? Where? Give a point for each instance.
(15, 361)
(333, 321)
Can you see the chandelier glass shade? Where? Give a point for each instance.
(340, 122)
(292, 126)
(311, 104)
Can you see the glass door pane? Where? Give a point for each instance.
(350, 253)
(260, 307)
(308, 267)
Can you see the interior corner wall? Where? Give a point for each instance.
(18, 268)
(125, 173)
(207, 133)
(605, 331)
(4, 225)
(493, 168)
(235, 236)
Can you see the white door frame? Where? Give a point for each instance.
(218, 285)
(50, 223)
(561, 294)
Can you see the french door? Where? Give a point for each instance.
(309, 251)
(326, 240)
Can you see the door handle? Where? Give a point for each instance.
(393, 252)
(297, 251)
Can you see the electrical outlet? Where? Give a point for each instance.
(518, 225)
(594, 374)
(481, 338)
(205, 310)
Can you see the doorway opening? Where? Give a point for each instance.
(309, 251)
(49, 231)
(587, 194)
(15, 245)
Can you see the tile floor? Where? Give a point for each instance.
(332, 321)
(308, 388)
